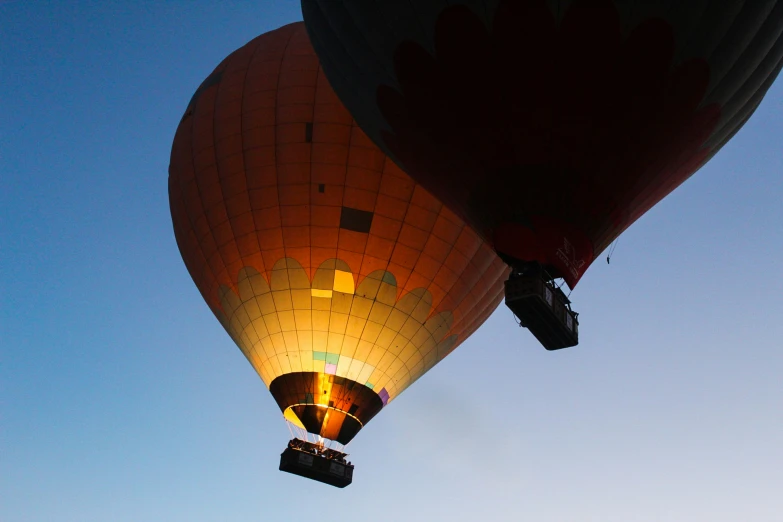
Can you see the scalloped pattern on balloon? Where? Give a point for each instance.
(329, 325)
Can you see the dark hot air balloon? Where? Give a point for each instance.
(550, 126)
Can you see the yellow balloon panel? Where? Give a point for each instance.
(364, 334)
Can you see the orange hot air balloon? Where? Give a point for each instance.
(340, 279)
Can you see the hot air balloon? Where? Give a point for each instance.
(340, 279)
(550, 126)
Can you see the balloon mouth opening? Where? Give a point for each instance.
(554, 248)
(524, 266)
(325, 405)
(321, 421)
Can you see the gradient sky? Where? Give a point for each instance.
(122, 399)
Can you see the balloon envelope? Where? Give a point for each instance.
(340, 279)
(551, 126)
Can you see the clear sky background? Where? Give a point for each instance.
(122, 399)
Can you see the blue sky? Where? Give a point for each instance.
(122, 399)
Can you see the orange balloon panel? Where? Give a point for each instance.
(340, 279)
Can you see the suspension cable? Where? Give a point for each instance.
(611, 250)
